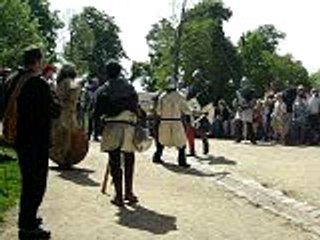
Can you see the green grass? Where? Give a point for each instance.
(9, 180)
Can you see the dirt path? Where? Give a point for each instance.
(175, 204)
(294, 170)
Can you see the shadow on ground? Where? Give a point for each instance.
(191, 171)
(80, 176)
(211, 160)
(146, 220)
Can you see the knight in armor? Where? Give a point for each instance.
(117, 107)
(245, 111)
(171, 108)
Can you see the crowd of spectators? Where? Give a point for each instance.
(290, 117)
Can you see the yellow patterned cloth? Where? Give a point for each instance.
(68, 92)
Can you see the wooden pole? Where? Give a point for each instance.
(105, 179)
(177, 47)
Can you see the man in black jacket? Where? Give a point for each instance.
(35, 109)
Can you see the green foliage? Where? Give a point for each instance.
(160, 40)
(80, 48)
(263, 65)
(315, 79)
(9, 182)
(94, 41)
(17, 31)
(288, 72)
(203, 47)
(142, 71)
(206, 48)
(48, 24)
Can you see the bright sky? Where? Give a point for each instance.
(298, 19)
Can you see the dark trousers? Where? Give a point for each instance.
(117, 172)
(205, 142)
(182, 160)
(250, 133)
(299, 133)
(94, 127)
(313, 130)
(239, 128)
(33, 162)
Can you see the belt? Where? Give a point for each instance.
(171, 119)
(119, 121)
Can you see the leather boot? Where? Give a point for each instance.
(205, 146)
(158, 154)
(118, 199)
(128, 176)
(182, 160)
(116, 173)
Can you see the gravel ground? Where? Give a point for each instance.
(293, 170)
(175, 203)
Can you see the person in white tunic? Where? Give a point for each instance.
(171, 108)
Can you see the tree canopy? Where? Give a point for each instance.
(220, 64)
(48, 23)
(94, 41)
(199, 39)
(204, 48)
(263, 65)
(17, 31)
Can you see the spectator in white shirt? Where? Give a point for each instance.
(313, 117)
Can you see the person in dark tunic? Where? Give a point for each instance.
(117, 107)
(203, 127)
(35, 109)
(289, 96)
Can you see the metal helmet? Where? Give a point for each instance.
(245, 81)
(171, 83)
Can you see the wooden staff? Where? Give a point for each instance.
(105, 179)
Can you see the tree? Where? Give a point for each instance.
(17, 31)
(80, 48)
(48, 25)
(288, 72)
(142, 72)
(94, 41)
(315, 79)
(204, 47)
(160, 40)
(263, 65)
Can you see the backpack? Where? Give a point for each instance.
(10, 118)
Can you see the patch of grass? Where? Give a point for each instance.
(9, 180)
